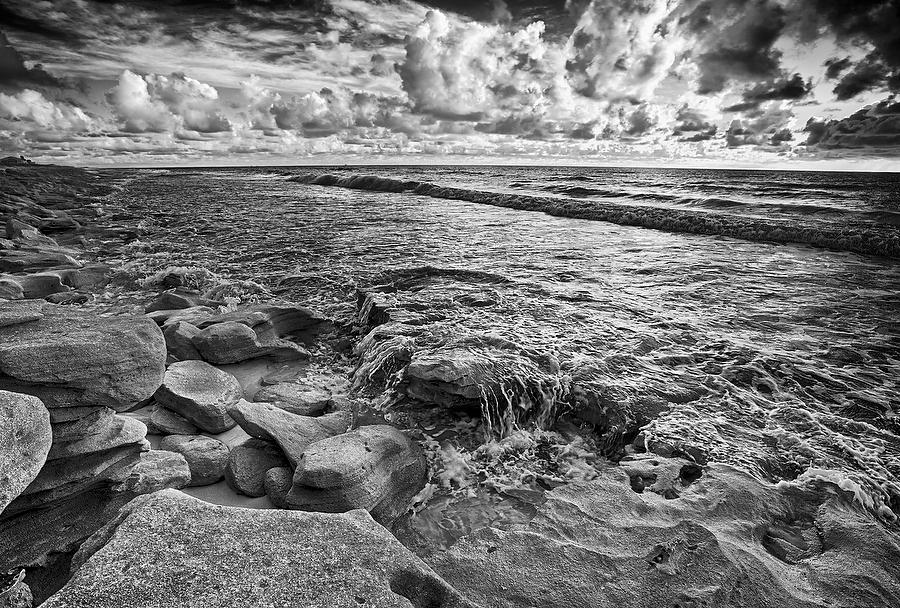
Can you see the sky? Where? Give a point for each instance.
(806, 84)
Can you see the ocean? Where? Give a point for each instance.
(750, 318)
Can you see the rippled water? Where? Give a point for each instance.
(782, 359)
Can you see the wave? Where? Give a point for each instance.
(881, 242)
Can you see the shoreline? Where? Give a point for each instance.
(658, 512)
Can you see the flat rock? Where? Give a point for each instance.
(167, 546)
(72, 358)
(207, 457)
(38, 285)
(248, 463)
(233, 342)
(271, 322)
(25, 437)
(32, 261)
(167, 422)
(179, 298)
(376, 468)
(724, 539)
(303, 399)
(292, 432)
(96, 421)
(107, 434)
(193, 315)
(201, 393)
(278, 483)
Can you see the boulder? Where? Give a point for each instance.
(376, 468)
(723, 539)
(166, 422)
(107, 434)
(248, 463)
(14, 592)
(39, 285)
(168, 546)
(94, 421)
(270, 323)
(207, 457)
(180, 341)
(11, 290)
(71, 358)
(179, 298)
(233, 342)
(303, 399)
(69, 298)
(193, 315)
(292, 432)
(25, 437)
(278, 483)
(201, 393)
(35, 261)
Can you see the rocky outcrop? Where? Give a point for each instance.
(248, 464)
(200, 393)
(682, 536)
(292, 433)
(376, 468)
(71, 358)
(206, 457)
(25, 437)
(177, 547)
(295, 397)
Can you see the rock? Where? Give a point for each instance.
(206, 456)
(157, 470)
(376, 468)
(180, 341)
(179, 298)
(723, 539)
(25, 437)
(201, 393)
(11, 290)
(270, 323)
(114, 432)
(278, 483)
(71, 358)
(296, 398)
(450, 377)
(39, 285)
(248, 464)
(33, 261)
(233, 342)
(95, 421)
(14, 593)
(292, 433)
(167, 546)
(167, 422)
(143, 414)
(193, 315)
(69, 298)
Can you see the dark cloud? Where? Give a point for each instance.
(784, 88)
(14, 71)
(875, 128)
(868, 74)
(834, 67)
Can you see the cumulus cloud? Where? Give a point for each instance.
(765, 125)
(156, 103)
(32, 107)
(875, 128)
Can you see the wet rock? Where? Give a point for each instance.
(207, 457)
(180, 341)
(450, 378)
(71, 358)
(376, 468)
(25, 437)
(201, 393)
(167, 422)
(292, 432)
(248, 464)
(725, 540)
(278, 483)
(11, 290)
(180, 547)
(303, 399)
(233, 342)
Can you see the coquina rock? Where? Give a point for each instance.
(25, 437)
(376, 468)
(201, 393)
(70, 358)
(233, 342)
(676, 539)
(166, 547)
(206, 456)
(167, 422)
(295, 397)
(292, 433)
(248, 463)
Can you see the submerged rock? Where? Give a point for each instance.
(292, 432)
(201, 393)
(71, 358)
(248, 464)
(376, 468)
(25, 437)
(712, 537)
(206, 456)
(167, 546)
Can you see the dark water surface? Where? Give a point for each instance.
(780, 358)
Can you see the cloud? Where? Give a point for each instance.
(783, 88)
(14, 70)
(31, 106)
(875, 128)
(156, 103)
(765, 125)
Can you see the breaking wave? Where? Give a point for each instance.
(857, 239)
